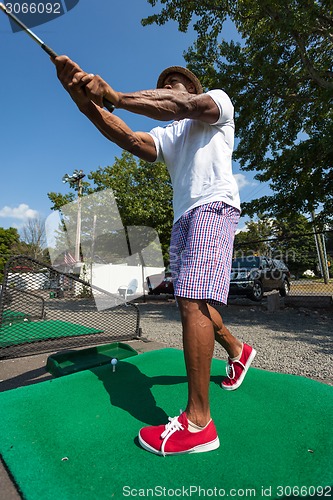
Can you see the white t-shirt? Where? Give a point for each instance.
(198, 157)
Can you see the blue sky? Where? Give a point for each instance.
(42, 134)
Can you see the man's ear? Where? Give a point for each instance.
(191, 88)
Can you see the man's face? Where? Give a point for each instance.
(177, 81)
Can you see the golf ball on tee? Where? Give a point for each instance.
(114, 361)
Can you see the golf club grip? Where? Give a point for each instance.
(108, 105)
(49, 51)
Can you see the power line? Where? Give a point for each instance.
(285, 237)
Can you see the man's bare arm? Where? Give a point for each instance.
(88, 90)
(140, 144)
(82, 86)
(160, 104)
(166, 105)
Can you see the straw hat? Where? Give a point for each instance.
(184, 71)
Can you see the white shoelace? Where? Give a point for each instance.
(170, 428)
(231, 370)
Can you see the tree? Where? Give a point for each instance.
(59, 200)
(295, 243)
(290, 239)
(142, 190)
(254, 240)
(280, 79)
(33, 235)
(8, 239)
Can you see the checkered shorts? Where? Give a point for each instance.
(201, 252)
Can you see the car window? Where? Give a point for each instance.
(279, 264)
(248, 262)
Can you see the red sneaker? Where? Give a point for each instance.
(175, 438)
(236, 370)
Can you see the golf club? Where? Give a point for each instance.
(107, 104)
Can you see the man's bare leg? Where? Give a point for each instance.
(198, 343)
(223, 336)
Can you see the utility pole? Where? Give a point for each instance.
(321, 250)
(76, 179)
(92, 248)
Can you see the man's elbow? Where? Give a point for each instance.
(142, 150)
(188, 109)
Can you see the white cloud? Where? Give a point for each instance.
(242, 181)
(22, 212)
(243, 229)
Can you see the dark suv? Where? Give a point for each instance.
(252, 276)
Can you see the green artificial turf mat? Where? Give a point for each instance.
(20, 333)
(9, 316)
(65, 363)
(74, 437)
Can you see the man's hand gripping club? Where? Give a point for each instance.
(83, 87)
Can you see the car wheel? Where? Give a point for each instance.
(257, 291)
(285, 288)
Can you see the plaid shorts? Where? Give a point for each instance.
(201, 252)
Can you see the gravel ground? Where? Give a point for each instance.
(294, 341)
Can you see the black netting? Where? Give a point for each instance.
(43, 309)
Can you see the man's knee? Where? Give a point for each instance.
(192, 306)
(216, 318)
(187, 303)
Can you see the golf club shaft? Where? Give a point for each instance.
(40, 42)
(107, 104)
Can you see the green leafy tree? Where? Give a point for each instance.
(295, 243)
(290, 239)
(254, 240)
(58, 201)
(280, 79)
(8, 239)
(142, 191)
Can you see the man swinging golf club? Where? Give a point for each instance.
(197, 149)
